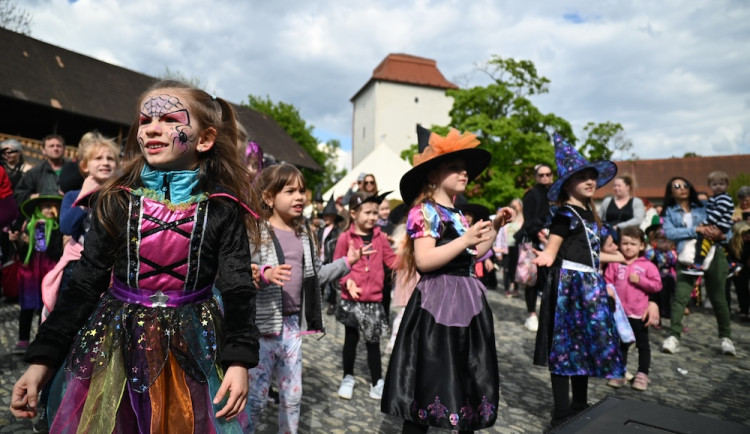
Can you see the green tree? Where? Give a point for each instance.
(289, 118)
(514, 130)
(331, 174)
(735, 183)
(606, 141)
(517, 133)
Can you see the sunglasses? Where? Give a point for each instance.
(7, 151)
(369, 182)
(544, 175)
(678, 186)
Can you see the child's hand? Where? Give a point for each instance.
(279, 274)
(543, 258)
(478, 233)
(25, 395)
(503, 216)
(89, 185)
(13, 235)
(488, 264)
(353, 289)
(634, 278)
(256, 274)
(617, 257)
(353, 254)
(235, 384)
(651, 315)
(610, 291)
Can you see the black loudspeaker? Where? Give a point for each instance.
(614, 415)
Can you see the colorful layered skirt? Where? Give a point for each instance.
(139, 369)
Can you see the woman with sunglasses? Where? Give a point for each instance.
(13, 161)
(683, 214)
(369, 185)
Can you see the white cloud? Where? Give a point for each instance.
(673, 73)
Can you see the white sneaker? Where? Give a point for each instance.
(376, 391)
(347, 387)
(727, 347)
(532, 323)
(671, 344)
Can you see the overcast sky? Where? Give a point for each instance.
(675, 74)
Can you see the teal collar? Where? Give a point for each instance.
(176, 187)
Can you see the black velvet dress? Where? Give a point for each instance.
(443, 370)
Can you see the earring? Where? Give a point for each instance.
(432, 186)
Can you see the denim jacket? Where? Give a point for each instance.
(674, 225)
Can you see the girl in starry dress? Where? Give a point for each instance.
(152, 351)
(577, 337)
(443, 370)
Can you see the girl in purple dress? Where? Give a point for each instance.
(141, 343)
(42, 245)
(443, 369)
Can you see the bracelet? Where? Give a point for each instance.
(263, 274)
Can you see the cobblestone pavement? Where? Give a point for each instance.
(697, 379)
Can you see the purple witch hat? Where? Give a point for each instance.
(570, 161)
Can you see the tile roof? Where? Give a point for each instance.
(55, 78)
(650, 177)
(408, 69)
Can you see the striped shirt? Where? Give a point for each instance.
(719, 210)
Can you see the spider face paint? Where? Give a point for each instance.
(166, 135)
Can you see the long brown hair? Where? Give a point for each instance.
(406, 261)
(220, 169)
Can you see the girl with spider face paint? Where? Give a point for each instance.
(157, 351)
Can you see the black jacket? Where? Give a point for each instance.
(41, 179)
(535, 212)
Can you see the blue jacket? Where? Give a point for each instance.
(674, 225)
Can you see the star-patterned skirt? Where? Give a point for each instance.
(138, 369)
(577, 333)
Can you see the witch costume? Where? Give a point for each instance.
(147, 352)
(443, 370)
(577, 334)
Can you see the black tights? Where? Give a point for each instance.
(351, 339)
(24, 324)
(561, 386)
(418, 428)
(641, 343)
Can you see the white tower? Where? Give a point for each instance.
(404, 91)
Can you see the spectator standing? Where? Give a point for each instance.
(13, 160)
(742, 210)
(42, 179)
(535, 212)
(683, 215)
(622, 209)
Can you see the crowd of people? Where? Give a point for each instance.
(200, 335)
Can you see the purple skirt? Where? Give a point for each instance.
(30, 280)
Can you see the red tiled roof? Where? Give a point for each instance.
(650, 177)
(405, 68)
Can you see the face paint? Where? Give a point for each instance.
(166, 133)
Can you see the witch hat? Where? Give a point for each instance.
(570, 161)
(330, 209)
(435, 149)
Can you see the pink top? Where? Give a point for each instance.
(369, 272)
(634, 297)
